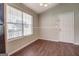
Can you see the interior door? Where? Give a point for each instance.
(67, 27)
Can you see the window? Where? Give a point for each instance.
(27, 23)
(18, 23)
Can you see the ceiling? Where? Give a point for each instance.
(39, 9)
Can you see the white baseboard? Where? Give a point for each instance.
(22, 47)
(60, 41)
(67, 42)
(49, 39)
(76, 43)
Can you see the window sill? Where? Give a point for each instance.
(17, 38)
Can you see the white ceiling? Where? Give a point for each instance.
(39, 9)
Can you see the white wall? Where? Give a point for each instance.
(57, 24)
(48, 23)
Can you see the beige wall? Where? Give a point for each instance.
(14, 45)
(57, 24)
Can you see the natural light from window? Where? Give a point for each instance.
(19, 23)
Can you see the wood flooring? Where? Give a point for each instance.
(48, 48)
